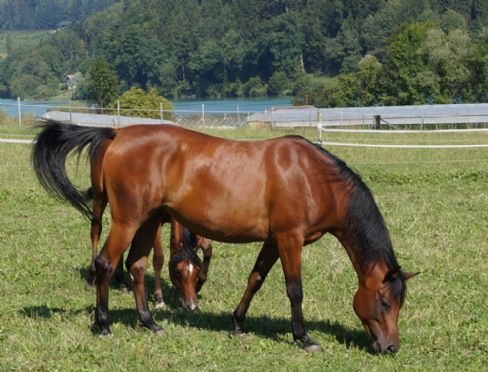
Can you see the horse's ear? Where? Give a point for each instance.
(409, 275)
(392, 274)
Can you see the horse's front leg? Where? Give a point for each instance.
(265, 261)
(136, 264)
(290, 250)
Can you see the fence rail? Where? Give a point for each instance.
(22, 113)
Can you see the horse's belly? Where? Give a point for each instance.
(227, 224)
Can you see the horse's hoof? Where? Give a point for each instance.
(124, 289)
(160, 305)
(313, 348)
(236, 333)
(105, 332)
(157, 329)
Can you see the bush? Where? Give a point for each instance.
(136, 102)
(278, 84)
(254, 87)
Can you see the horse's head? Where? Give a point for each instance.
(184, 268)
(377, 303)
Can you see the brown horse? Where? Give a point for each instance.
(286, 192)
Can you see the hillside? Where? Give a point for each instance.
(216, 48)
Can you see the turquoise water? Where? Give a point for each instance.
(243, 105)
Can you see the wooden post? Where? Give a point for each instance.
(377, 121)
(19, 111)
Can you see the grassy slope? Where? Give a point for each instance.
(435, 203)
(24, 38)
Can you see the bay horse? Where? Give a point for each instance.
(286, 192)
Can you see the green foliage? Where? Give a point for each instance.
(136, 102)
(33, 15)
(213, 48)
(101, 83)
(278, 84)
(254, 87)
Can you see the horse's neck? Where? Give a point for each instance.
(367, 274)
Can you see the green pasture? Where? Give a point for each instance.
(20, 38)
(434, 201)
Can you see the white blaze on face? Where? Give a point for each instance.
(190, 268)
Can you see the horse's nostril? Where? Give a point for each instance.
(391, 349)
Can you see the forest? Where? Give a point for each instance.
(322, 52)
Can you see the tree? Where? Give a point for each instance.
(141, 104)
(101, 83)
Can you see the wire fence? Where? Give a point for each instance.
(25, 113)
(408, 127)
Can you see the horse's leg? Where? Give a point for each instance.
(206, 247)
(119, 277)
(290, 251)
(117, 242)
(158, 261)
(99, 204)
(136, 264)
(265, 261)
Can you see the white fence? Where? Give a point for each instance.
(423, 116)
(21, 111)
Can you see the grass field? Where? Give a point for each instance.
(435, 203)
(20, 38)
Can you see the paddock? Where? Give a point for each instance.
(434, 201)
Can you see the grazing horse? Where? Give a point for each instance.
(286, 192)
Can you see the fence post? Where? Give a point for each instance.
(319, 128)
(70, 110)
(19, 111)
(203, 114)
(238, 117)
(118, 113)
(161, 112)
(377, 121)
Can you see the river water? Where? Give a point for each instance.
(242, 105)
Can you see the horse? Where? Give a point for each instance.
(286, 192)
(187, 272)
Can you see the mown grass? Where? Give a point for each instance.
(435, 203)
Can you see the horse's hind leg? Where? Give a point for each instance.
(158, 261)
(136, 264)
(265, 261)
(290, 250)
(117, 242)
(99, 204)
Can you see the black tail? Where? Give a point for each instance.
(52, 147)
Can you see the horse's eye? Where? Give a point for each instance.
(178, 274)
(385, 304)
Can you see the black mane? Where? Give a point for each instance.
(371, 240)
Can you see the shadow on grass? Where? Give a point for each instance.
(264, 326)
(271, 328)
